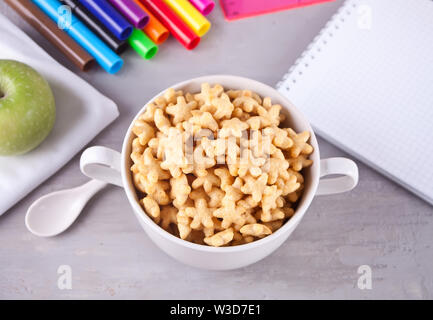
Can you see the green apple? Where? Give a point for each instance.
(27, 108)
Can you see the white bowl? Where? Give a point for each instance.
(108, 165)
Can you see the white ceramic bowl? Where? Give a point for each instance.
(111, 166)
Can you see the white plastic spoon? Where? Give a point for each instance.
(53, 213)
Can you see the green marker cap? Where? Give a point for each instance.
(141, 43)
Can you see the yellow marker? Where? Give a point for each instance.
(190, 15)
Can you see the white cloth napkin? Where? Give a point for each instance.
(82, 112)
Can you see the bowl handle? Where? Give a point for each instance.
(103, 164)
(339, 166)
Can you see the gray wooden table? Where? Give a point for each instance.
(379, 224)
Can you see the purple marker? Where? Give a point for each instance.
(204, 6)
(131, 11)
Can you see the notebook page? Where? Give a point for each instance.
(366, 84)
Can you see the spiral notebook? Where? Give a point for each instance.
(366, 84)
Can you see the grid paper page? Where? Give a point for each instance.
(366, 84)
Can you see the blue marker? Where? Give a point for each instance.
(105, 57)
(109, 17)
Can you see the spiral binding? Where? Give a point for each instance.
(322, 39)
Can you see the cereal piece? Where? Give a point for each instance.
(203, 120)
(255, 187)
(151, 206)
(170, 95)
(207, 93)
(208, 181)
(232, 195)
(255, 229)
(215, 197)
(214, 148)
(221, 238)
(180, 189)
(160, 192)
(143, 131)
(152, 168)
(270, 196)
(246, 101)
(137, 150)
(276, 168)
(202, 162)
(233, 127)
(269, 117)
(149, 113)
(183, 224)
(300, 162)
(225, 177)
(280, 137)
(249, 163)
(181, 111)
(300, 145)
(287, 186)
(275, 214)
(224, 107)
(201, 215)
(168, 216)
(161, 121)
(231, 214)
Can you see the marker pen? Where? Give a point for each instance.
(109, 17)
(96, 26)
(190, 15)
(132, 12)
(105, 57)
(173, 23)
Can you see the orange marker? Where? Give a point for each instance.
(154, 29)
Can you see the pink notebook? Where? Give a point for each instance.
(238, 9)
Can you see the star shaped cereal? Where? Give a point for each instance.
(181, 111)
(255, 187)
(207, 181)
(143, 131)
(233, 127)
(231, 214)
(151, 167)
(269, 199)
(300, 145)
(180, 189)
(224, 107)
(270, 117)
(203, 120)
(201, 215)
(300, 162)
(207, 93)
